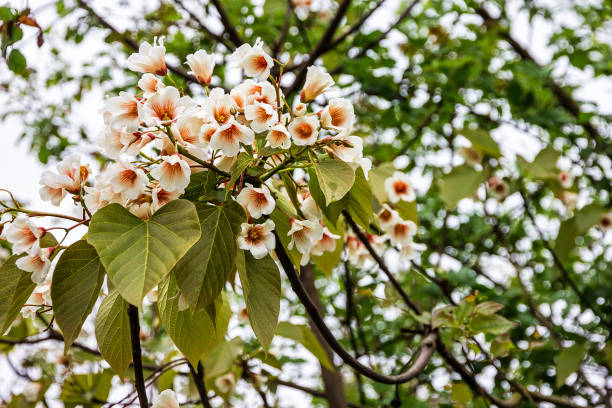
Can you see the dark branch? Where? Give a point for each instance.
(137, 356)
(364, 240)
(426, 348)
(227, 23)
(198, 379)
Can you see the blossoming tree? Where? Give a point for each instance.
(214, 211)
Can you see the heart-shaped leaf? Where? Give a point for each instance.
(76, 284)
(136, 253)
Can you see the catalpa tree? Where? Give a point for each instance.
(225, 221)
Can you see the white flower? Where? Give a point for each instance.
(317, 82)
(327, 243)
(133, 142)
(347, 148)
(498, 187)
(257, 238)
(161, 197)
(143, 210)
(149, 58)
(122, 111)
(569, 199)
(411, 251)
(206, 133)
(566, 180)
(219, 106)
(225, 163)
(173, 173)
(150, 84)
(298, 108)
(37, 262)
(398, 187)
(70, 177)
(402, 232)
(605, 222)
(471, 155)
(338, 115)
(127, 180)
(22, 234)
(256, 200)
(225, 383)
(310, 208)
(187, 131)
(254, 60)
(303, 236)
(278, 136)
(261, 115)
(41, 296)
(165, 106)
(304, 130)
(202, 65)
(228, 137)
(387, 217)
(166, 399)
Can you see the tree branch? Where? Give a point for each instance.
(137, 356)
(227, 23)
(364, 240)
(426, 347)
(198, 379)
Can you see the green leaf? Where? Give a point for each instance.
(136, 253)
(335, 178)
(201, 185)
(203, 271)
(330, 211)
(75, 287)
(192, 333)
(482, 140)
(544, 166)
(492, 324)
(304, 335)
(261, 285)
(86, 390)
(461, 393)
(569, 361)
(113, 333)
(378, 176)
(16, 286)
(359, 200)
(578, 225)
(460, 183)
(16, 62)
(6, 13)
(221, 359)
(488, 308)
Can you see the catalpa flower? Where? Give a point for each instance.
(134, 142)
(143, 210)
(498, 187)
(150, 84)
(304, 233)
(22, 234)
(387, 217)
(225, 383)
(149, 58)
(70, 176)
(411, 251)
(254, 60)
(187, 130)
(161, 197)
(338, 115)
(310, 208)
(471, 155)
(36, 262)
(257, 238)
(261, 115)
(256, 200)
(127, 180)
(202, 65)
(327, 243)
(228, 137)
(219, 106)
(565, 179)
(165, 106)
(122, 111)
(398, 187)
(317, 82)
(298, 108)
(402, 232)
(41, 296)
(166, 399)
(278, 136)
(304, 130)
(173, 173)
